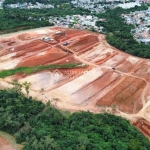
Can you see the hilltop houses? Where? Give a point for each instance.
(77, 21)
(29, 5)
(141, 21)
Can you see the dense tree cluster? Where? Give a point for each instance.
(20, 19)
(43, 127)
(12, 20)
(15, 110)
(118, 32)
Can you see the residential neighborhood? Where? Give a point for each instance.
(141, 21)
(1, 3)
(99, 6)
(77, 21)
(29, 5)
(95, 6)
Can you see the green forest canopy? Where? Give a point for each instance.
(42, 127)
(12, 20)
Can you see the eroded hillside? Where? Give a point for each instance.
(111, 81)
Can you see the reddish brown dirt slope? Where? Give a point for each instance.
(5, 145)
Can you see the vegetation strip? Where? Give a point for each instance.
(42, 127)
(29, 70)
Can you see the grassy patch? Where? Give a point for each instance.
(29, 70)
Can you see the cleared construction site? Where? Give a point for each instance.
(112, 81)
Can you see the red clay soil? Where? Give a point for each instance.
(35, 48)
(125, 66)
(5, 40)
(116, 60)
(73, 34)
(86, 49)
(59, 36)
(5, 145)
(143, 126)
(107, 57)
(68, 34)
(129, 88)
(20, 47)
(142, 71)
(129, 100)
(96, 86)
(69, 59)
(84, 43)
(27, 36)
(12, 43)
(28, 45)
(48, 56)
(23, 48)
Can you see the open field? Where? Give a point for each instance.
(112, 80)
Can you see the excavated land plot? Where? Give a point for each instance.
(73, 34)
(126, 95)
(125, 66)
(35, 48)
(20, 47)
(84, 43)
(143, 126)
(7, 42)
(87, 85)
(99, 54)
(27, 36)
(27, 45)
(12, 43)
(44, 57)
(69, 59)
(90, 90)
(111, 78)
(144, 70)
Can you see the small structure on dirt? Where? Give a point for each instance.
(66, 43)
(12, 49)
(58, 32)
(46, 39)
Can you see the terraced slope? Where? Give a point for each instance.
(112, 81)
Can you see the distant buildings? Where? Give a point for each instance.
(77, 21)
(29, 5)
(144, 1)
(98, 6)
(1, 3)
(129, 5)
(141, 21)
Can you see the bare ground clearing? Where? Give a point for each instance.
(112, 78)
